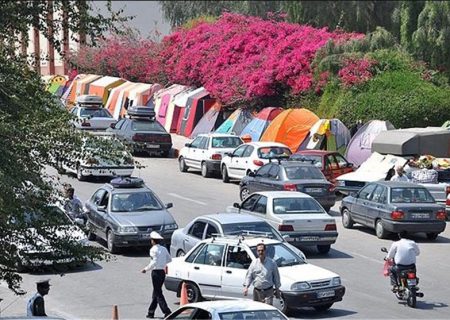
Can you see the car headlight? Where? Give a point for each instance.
(129, 229)
(171, 226)
(300, 286)
(336, 281)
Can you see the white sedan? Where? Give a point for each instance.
(295, 214)
(249, 157)
(227, 310)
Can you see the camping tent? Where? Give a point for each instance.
(169, 114)
(55, 82)
(123, 101)
(260, 122)
(141, 95)
(102, 86)
(360, 146)
(198, 103)
(162, 101)
(113, 99)
(413, 141)
(210, 121)
(83, 84)
(327, 134)
(70, 94)
(290, 127)
(236, 122)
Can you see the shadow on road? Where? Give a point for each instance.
(65, 268)
(312, 253)
(418, 237)
(430, 305)
(310, 313)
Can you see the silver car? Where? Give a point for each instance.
(203, 227)
(125, 211)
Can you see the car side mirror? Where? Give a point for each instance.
(383, 249)
(101, 208)
(230, 154)
(112, 125)
(169, 205)
(251, 174)
(236, 205)
(187, 144)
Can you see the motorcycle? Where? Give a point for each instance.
(407, 280)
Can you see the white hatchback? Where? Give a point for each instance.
(216, 269)
(249, 157)
(206, 151)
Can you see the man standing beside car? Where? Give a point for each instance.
(264, 275)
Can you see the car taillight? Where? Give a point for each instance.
(85, 124)
(290, 187)
(331, 188)
(397, 215)
(411, 275)
(447, 190)
(330, 227)
(441, 215)
(285, 227)
(216, 156)
(258, 163)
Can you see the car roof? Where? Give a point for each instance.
(231, 305)
(249, 240)
(315, 152)
(216, 134)
(227, 218)
(398, 184)
(294, 163)
(283, 194)
(266, 144)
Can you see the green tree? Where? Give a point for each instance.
(34, 131)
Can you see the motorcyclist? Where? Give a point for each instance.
(73, 205)
(404, 253)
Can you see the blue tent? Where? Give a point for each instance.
(258, 125)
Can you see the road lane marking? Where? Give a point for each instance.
(187, 199)
(365, 257)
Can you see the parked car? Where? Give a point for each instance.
(227, 310)
(290, 176)
(90, 114)
(296, 215)
(331, 163)
(92, 162)
(215, 269)
(125, 211)
(392, 207)
(204, 227)
(142, 132)
(249, 157)
(206, 151)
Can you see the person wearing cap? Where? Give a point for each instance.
(35, 306)
(159, 258)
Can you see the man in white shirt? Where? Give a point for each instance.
(35, 306)
(160, 257)
(404, 253)
(399, 175)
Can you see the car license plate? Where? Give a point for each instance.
(152, 146)
(412, 282)
(313, 190)
(325, 294)
(420, 215)
(145, 236)
(308, 238)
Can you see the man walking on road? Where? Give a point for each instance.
(35, 306)
(160, 257)
(263, 273)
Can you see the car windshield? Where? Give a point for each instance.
(315, 160)
(271, 152)
(147, 125)
(296, 206)
(262, 228)
(95, 113)
(303, 172)
(248, 314)
(226, 142)
(134, 201)
(411, 195)
(281, 254)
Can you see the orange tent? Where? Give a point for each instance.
(70, 94)
(83, 84)
(125, 101)
(290, 127)
(101, 87)
(114, 96)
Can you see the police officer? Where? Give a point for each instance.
(160, 257)
(35, 306)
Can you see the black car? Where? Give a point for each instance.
(393, 207)
(142, 132)
(290, 175)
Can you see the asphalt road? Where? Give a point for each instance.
(91, 291)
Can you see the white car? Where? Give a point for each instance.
(93, 164)
(90, 114)
(296, 215)
(249, 157)
(227, 310)
(206, 151)
(216, 268)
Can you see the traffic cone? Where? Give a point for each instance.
(184, 296)
(115, 313)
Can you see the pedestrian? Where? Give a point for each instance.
(264, 275)
(159, 258)
(399, 175)
(35, 306)
(73, 204)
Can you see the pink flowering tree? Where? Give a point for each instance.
(356, 71)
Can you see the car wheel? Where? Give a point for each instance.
(244, 193)
(180, 253)
(193, 292)
(324, 248)
(182, 165)
(347, 220)
(225, 177)
(283, 306)
(80, 175)
(91, 235)
(323, 307)
(205, 171)
(165, 153)
(432, 236)
(379, 230)
(110, 242)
